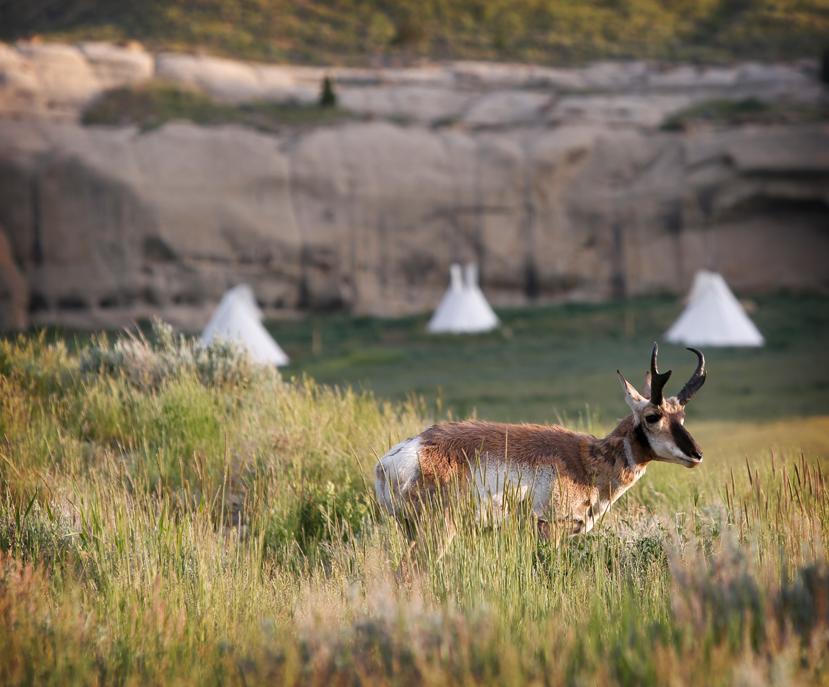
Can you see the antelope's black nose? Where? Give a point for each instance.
(685, 441)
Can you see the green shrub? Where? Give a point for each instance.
(328, 98)
(148, 362)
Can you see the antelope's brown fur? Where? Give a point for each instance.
(568, 476)
(588, 470)
(449, 449)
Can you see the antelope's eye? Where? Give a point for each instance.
(652, 418)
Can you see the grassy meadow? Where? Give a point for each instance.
(170, 515)
(556, 362)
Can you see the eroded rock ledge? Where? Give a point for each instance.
(558, 182)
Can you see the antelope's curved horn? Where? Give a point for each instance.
(658, 379)
(697, 379)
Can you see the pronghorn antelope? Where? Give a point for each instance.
(571, 479)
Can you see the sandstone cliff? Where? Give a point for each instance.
(558, 182)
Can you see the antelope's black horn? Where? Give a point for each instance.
(697, 379)
(658, 379)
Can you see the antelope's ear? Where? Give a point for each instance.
(633, 398)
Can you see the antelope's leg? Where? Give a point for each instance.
(403, 573)
(418, 547)
(544, 528)
(449, 535)
(553, 531)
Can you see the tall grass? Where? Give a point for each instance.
(174, 516)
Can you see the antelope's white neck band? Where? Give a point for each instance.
(630, 461)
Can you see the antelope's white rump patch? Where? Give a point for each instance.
(397, 474)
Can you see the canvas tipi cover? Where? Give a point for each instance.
(238, 319)
(244, 293)
(713, 317)
(464, 308)
(702, 279)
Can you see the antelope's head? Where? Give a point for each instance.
(661, 420)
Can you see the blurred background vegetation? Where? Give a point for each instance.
(351, 31)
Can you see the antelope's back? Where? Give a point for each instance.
(493, 454)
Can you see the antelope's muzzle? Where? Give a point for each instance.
(685, 442)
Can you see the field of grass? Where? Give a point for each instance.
(361, 31)
(551, 362)
(176, 516)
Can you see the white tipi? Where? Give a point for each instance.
(713, 317)
(245, 294)
(481, 316)
(448, 310)
(238, 319)
(463, 308)
(702, 279)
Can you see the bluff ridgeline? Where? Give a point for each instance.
(563, 184)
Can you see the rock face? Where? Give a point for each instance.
(58, 79)
(55, 80)
(556, 196)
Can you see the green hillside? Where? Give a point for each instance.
(357, 31)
